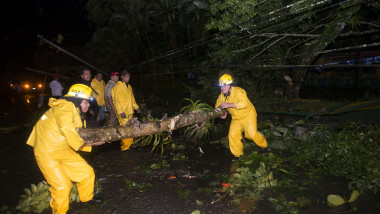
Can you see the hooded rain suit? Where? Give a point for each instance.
(55, 143)
(124, 102)
(244, 118)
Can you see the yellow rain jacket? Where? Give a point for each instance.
(124, 102)
(244, 118)
(99, 88)
(55, 143)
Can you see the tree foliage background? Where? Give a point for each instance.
(131, 32)
(251, 37)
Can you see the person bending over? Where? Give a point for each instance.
(243, 113)
(55, 141)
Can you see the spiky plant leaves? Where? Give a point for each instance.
(197, 106)
(159, 140)
(200, 133)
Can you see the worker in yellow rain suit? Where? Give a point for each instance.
(125, 104)
(243, 113)
(98, 86)
(55, 143)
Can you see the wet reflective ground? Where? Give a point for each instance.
(185, 183)
(171, 189)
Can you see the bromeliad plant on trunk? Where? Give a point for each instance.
(199, 132)
(159, 141)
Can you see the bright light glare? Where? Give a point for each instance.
(40, 85)
(26, 86)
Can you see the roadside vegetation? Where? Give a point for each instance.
(291, 175)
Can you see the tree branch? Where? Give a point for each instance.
(267, 47)
(108, 134)
(284, 34)
(370, 24)
(242, 50)
(359, 33)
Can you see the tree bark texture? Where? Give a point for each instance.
(143, 129)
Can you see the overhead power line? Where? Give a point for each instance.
(68, 53)
(287, 66)
(208, 40)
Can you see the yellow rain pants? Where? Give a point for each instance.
(125, 143)
(124, 102)
(244, 118)
(55, 141)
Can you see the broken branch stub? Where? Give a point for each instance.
(114, 133)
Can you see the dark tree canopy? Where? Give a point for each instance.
(244, 35)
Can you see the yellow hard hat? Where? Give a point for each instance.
(226, 79)
(80, 91)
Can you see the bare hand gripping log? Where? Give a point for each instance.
(121, 132)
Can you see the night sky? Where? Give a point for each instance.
(22, 21)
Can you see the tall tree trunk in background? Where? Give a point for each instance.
(137, 130)
(332, 30)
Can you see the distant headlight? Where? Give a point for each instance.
(40, 85)
(26, 86)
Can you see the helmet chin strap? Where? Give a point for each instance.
(80, 109)
(228, 92)
(82, 116)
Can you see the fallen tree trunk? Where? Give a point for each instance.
(144, 129)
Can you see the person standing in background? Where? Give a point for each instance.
(108, 98)
(56, 87)
(125, 104)
(98, 85)
(92, 114)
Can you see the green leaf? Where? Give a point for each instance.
(59, 38)
(299, 122)
(199, 203)
(335, 200)
(28, 191)
(354, 196)
(277, 133)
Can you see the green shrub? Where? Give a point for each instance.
(352, 153)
